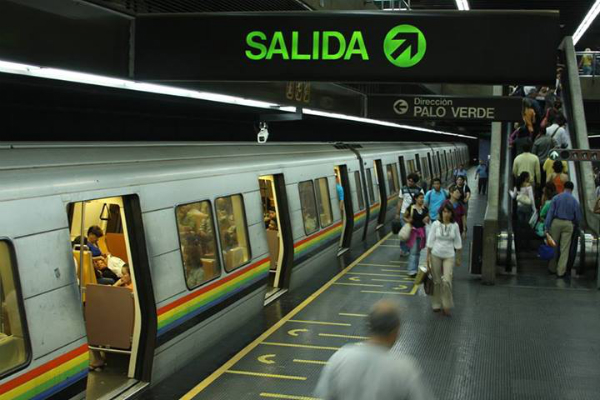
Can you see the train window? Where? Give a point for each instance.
(425, 166)
(411, 166)
(392, 176)
(233, 233)
(324, 203)
(308, 206)
(359, 191)
(13, 347)
(198, 243)
(370, 186)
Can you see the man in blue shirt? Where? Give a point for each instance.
(461, 171)
(482, 174)
(564, 213)
(435, 198)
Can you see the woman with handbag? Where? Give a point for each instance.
(442, 243)
(523, 192)
(417, 216)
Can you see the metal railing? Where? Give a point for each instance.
(592, 57)
(392, 5)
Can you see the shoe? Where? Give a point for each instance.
(412, 275)
(436, 309)
(446, 312)
(97, 368)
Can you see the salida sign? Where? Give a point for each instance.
(445, 107)
(449, 47)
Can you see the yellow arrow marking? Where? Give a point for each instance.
(294, 332)
(265, 359)
(400, 287)
(355, 279)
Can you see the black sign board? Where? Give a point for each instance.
(576, 155)
(492, 47)
(445, 108)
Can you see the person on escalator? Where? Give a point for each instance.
(558, 177)
(523, 192)
(558, 133)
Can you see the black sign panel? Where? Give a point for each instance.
(576, 155)
(453, 47)
(445, 108)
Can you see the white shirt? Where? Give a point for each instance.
(368, 371)
(444, 239)
(407, 194)
(559, 134)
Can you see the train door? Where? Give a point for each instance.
(433, 174)
(278, 230)
(402, 171)
(418, 162)
(112, 269)
(382, 193)
(439, 164)
(346, 208)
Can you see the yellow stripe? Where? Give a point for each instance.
(46, 376)
(211, 292)
(374, 274)
(394, 270)
(302, 346)
(357, 284)
(263, 375)
(391, 280)
(320, 322)
(411, 293)
(379, 265)
(310, 361)
(342, 336)
(398, 262)
(287, 396)
(210, 379)
(353, 315)
(390, 245)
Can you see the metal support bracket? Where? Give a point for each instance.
(282, 117)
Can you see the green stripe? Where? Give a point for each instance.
(53, 381)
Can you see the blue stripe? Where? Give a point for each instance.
(192, 314)
(57, 388)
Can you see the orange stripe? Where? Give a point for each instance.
(317, 234)
(212, 286)
(42, 369)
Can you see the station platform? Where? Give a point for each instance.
(507, 341)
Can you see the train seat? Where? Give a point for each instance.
(89, 275)
(12, 349)
(209, 265)
(235, 256)
(109, 316)
(115, 243)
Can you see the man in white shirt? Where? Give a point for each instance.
(368, 371)
(557, 132)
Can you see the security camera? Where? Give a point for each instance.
(263, 133)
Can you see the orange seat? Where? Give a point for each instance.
(115, 242)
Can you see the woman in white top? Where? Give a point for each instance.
(443, 241)
(525, 200)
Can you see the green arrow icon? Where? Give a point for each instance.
(405, 46)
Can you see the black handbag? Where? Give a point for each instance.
(396, 226)
(428, 285)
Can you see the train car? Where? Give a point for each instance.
(134, 259)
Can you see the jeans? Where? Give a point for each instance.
(586, 70)
(524, 214)
(413, 258)
(483, 185)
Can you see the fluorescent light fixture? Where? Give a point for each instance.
(463, 5)
(587, 21)
(594, 137)
(91, 79)
(325, 114)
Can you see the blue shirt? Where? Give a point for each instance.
(460, 172)
(340, 191)
(95, 250)
(482, 171)
(434, 201)
(564, 206)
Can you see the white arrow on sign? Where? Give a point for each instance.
(554, 155)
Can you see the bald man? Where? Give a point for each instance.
(368, 370)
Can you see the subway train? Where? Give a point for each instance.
(199, 236)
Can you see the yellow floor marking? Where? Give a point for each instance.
(375, 274)
(220, 371)
(377, 265)
(400, 287)
(302, 346)
(357, 284)
(320, 322)
(390, 280)
(411, 293)
(263, 375)
(294, 332)
(287, 396)
(266, 359)
(353, 315)
(393, 270)
(390, 245)
(354, 279)
(398, 262)
(310, 361)
(342, 336)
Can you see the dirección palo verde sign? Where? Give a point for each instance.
(404, 46)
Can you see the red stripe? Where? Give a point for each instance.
(212, 286)
(317, 234)
(358, 214)
(8, 386)
(375, 205)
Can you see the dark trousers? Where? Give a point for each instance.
(483, 185)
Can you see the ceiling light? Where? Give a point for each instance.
(91, 79)
(325, 114)
(593, 136)
(587, 21)
(463, 5)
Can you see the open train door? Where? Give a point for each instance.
(382, 195)
(346, 209)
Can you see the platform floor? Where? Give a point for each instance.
(509, 341)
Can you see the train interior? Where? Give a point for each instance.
(110, 303)
(339, 183)
(272, 220)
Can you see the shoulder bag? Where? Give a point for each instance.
(404, 233)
